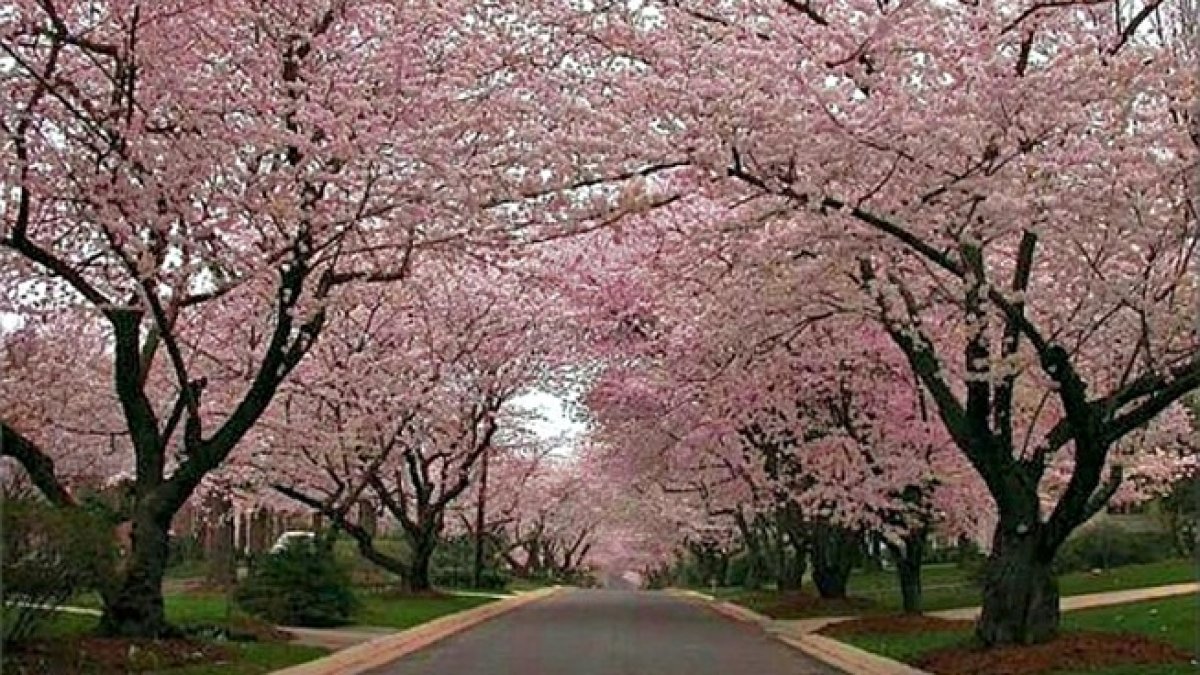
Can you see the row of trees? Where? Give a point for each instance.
(846, 264)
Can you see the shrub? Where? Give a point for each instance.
(461, 577)
(49, 555)
(1181, 515)
(302, 585)
(1107, 545)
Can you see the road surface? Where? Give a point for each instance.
(606, 632)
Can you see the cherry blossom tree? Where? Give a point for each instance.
(407, 398)
(1007, 187)
(203, 183)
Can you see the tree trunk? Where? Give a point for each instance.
(480, 518)
(833, 551)
(909, 556)
(261, 532)
(422, 541)
(134, 606)
(1020, 592)
(219, 544)
(417, 579)
(756, 568)
(791, 572)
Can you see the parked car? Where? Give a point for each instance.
(291, 537)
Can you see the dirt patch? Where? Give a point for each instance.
(798, 605)
(239, 628)
(108, 656)
(249, 628)
(1070, 651)
(895, 624)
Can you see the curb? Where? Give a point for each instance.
(847, 658)
(838, 655)
(739, 613)
(383, 650)
(726, 609)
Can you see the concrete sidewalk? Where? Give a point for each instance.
(1074, 602)
(336, 639)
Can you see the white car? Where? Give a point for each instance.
(291, 537)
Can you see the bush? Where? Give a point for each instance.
(739, 569)
(302, 585)
(184, 550)
(1107, 545)
(50, 554)
(491, 579)
(1181, 515)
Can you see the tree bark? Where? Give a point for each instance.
(909, 555)
(134, 607)
(480, 518)
(219, 543)
(417, 579)
(1020, 591)
(834, 550)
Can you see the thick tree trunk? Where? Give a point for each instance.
(834, 550)
(1020, 592)
(417, 579)
(134, 606)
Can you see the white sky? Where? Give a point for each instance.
(557, 424)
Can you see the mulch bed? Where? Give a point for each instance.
(898, 624)
(1070, 651)
(797, 604)
(108, 656)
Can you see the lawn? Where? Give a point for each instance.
(67, 636)
(388, 610)
(1172, 620)
(255, 658)
(946, 586)
(198, 608)
(407, 611)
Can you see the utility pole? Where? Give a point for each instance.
(480, 511)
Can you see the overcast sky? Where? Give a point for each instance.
(557, 424)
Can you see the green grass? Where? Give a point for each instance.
(253, 658)
(405, 612)
(198, 607)
(1174, 571)
(946, 586)
(386, 610)
(1173, 620)
(187, 569)
(907, 647)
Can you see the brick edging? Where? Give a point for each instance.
(383, 650)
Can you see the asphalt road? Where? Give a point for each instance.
(607, 632)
